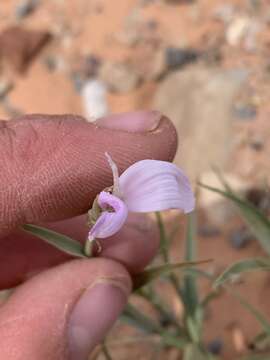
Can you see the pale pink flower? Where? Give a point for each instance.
(147, 185)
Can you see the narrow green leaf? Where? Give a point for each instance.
(162, 307)
(164, 250)
(209, 297)
(258, 223)
(259, 316)
(134, 317)
(189, 291)
(106, 351)
(151, 274)
(61, 242)
(261, 341)
(242, 266)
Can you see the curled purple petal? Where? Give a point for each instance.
(152, 185)
(112, 218)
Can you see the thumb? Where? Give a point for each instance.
(63, 312)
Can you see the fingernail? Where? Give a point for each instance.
(94, 314)
(135, 122)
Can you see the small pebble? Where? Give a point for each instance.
(215, 346)
(239, 238)
(178, 57)
(245, 112)
(25, 8)
(91, 65)
(256, 143)
(55, 63)
(237, 30)
(5, 87)
(10, 109)
(50, 62)
(78, 81)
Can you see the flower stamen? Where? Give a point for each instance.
(116, 187)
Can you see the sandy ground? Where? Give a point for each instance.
(105, 28)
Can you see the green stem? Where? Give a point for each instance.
(155, 300)
(88, 248)
(163, 238)
(164, 244)
(150, 326)
(106, 352)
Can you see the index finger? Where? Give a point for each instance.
(55, 165)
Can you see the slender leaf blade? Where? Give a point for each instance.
(258, 223)
(149, 275)
(258, 315)
(189, 291)
(164, 245)
(60, 241)
(242, 266)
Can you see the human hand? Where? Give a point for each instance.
(52, 167)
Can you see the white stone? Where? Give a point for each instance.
(94, 97)
(237, 30)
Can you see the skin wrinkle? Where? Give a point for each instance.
(16, 325)
(58, 154)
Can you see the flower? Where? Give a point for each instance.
(147, 185)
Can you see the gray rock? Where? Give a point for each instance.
(198, 100)
(215, 346)
(178, 57)
(244, 112)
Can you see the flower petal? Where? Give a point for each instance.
(152, 185)
(111, 219)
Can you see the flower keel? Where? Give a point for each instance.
(112, 218)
